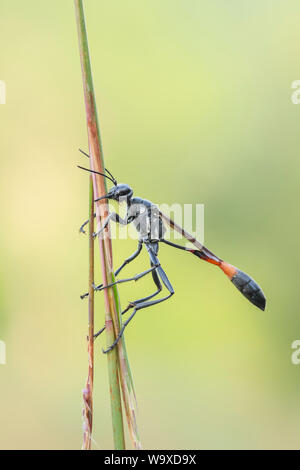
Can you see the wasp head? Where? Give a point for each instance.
(119, 192)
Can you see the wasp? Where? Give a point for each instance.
(149, 223)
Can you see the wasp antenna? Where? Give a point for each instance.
(84, 153)
(115, 181)
(96, 172)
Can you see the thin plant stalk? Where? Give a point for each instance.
(118, 365)
(99, 188)
(88, 391)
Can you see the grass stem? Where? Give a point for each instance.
(88, 391)
(118, 364)
(99, 188)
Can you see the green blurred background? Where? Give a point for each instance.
(195, 106)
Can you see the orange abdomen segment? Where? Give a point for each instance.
(228, 269)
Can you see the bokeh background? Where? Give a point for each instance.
(194, 99)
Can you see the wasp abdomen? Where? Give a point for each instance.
(249, 288)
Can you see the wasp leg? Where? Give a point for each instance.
(136, 308)
(127, 261)
(134, 278)
(142, 305)
(144, 299)
(131, 258)
(114, 217)
(84, 224)
(159, 286)
(153, 260)
(99, 332)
